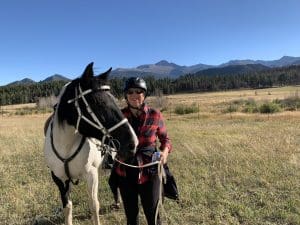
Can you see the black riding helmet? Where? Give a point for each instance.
(135, 82)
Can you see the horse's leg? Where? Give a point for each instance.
(92, 182)
(64, 190)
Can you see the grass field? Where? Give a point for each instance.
(230, 168)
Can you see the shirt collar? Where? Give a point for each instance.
(144, 108)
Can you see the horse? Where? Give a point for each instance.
(86, 120)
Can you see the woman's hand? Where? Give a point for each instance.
(164, 155)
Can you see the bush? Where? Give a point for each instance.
(182, 109)
(269, 107)
(250, 109)
(290, 104)
(250, 106)
(231, 108)
(29, 111)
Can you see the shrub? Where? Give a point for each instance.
(250, 109)
(291, 103)
(29, 111)
(250, 106)
(182, 109)
(231, 108)
(269, 107)
(238, 102)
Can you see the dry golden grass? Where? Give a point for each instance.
(230, 168)
(11, 109)
(208, 101)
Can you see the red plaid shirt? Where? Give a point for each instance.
(149, 126)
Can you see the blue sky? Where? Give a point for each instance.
(41, 38)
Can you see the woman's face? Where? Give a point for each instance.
(135, 97)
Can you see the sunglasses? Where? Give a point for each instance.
(130, 92)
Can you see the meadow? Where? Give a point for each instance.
(231, 168)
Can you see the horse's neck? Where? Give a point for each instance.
(65, 136)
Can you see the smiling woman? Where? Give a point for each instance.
(135, 97)
(139, 180)
(135, 92)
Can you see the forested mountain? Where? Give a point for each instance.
(230, 77)
(282, 62)
(165, 69)
(233, 69)
(249, 79)
(24, 81)
(17, 94)
(159, 70)
(55, 77)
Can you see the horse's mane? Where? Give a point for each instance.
(66, 111)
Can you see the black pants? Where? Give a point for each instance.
(149, 195)
(113, 182)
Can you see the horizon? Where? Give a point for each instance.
(46, 38)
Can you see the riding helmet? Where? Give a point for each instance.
(135, 82)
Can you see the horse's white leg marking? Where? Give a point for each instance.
(92, 183)
(68, 213)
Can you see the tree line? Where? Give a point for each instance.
(198, 82)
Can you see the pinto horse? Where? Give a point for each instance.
(86, 120)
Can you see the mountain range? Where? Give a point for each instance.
(164, 68)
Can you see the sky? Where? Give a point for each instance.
(40, 38)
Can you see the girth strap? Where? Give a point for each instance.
(66, 161)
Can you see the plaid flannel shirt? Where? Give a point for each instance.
(149, 126)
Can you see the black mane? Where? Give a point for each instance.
(66, 111)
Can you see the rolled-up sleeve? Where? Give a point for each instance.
(162, 134)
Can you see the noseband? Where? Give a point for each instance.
(95, 122)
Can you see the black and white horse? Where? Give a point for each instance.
(87, 117)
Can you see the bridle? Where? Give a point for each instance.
(79, 94)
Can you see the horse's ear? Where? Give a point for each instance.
(104, 75)
(88, 72)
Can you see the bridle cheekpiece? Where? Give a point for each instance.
(95, 122)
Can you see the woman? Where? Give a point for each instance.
(144, 182)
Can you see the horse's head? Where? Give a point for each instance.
(88, 105)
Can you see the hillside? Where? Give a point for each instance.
(27, 81)
(233, 70)
(214, 79)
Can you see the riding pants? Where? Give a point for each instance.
(149, 195)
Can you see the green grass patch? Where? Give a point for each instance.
(270, 107)
(32, 110)
(291, 103)
(186, 109)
